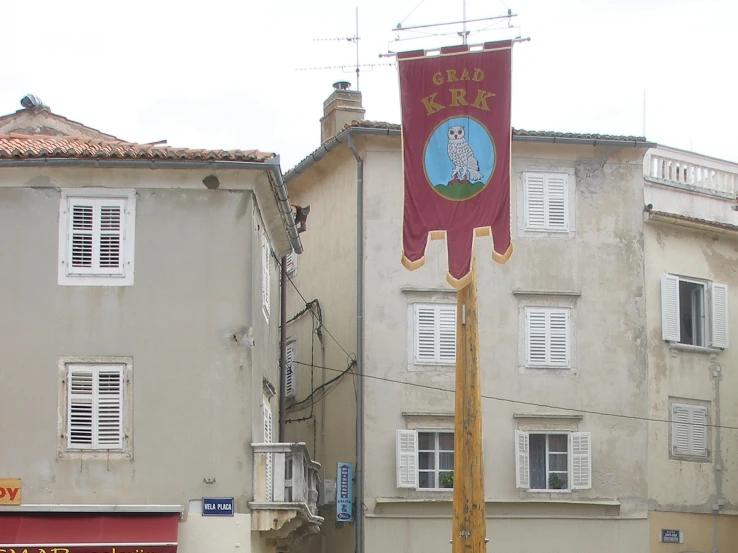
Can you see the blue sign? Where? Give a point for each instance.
(344, 496)
(670, 536)
(217, 506)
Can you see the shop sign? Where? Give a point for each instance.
(10, 492)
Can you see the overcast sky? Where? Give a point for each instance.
(224, 74)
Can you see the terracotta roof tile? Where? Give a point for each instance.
(18, 146)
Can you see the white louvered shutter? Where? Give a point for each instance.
(535, 201)
(94, 407)
(580, 448)
(522, 460)
(268, 439)
(265, 281)
(81, 236)
(670, 308)
(558, 331)
(680, 429)
(407, 459)
(698, 419)
(425, 333)
(290, 383)
(109, 215)
(556, 202)
(447, 333)
(719, 315)
(291, 262)
(535, 337)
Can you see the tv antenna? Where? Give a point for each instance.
(355, 38)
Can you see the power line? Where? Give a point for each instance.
(521, 402)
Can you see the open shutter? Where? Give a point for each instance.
(535, 201)
(425, 333)
(291, 262)
(407, 459)
(698, 422)
(580, 447)
(558, 212)
(680, 429)
(109, 409)
(109, 216)
(558, 325)
(80, 407)
(447, 334)
(81, 236)
(268, 439)
(290, 384)
(670, 308)
(265, 280)
(522, 460)
(535, 330)
(719, 315)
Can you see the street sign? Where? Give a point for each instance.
(670, 536)
(217, 506)
(344, 496)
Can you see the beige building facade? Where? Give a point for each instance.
(140, 340)
(575, 371)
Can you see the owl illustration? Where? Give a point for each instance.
(466, 166)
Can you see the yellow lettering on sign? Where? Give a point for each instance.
(481, 100)
(437, 78)
(10, 491)
(431, 106)
(465, 75)
(478, 75)
(458, 97)
(451, 75)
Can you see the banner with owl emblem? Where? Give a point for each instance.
(456, 153)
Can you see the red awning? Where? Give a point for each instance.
(87, 533)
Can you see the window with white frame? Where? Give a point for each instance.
(290, 375)
(96, 237)
(553, 460)
(547, 337)
(434, 333)
(425, 459)
(265, 274)
(694, 311)
(689, 430)
(546, 201)
(95, 407)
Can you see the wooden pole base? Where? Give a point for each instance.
(469, 530)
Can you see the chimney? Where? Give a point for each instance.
(341, 108)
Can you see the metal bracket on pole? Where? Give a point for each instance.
(463, 314)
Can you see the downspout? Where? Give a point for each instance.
(282, 347)
(359, 473)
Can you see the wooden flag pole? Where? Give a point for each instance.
(469, 531)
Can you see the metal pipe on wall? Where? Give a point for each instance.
(282, 346)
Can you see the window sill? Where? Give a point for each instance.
(548, 491)
(94, 455)
(425, 367)
(705, 350)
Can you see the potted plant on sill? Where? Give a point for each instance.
(446, 480)
(555, 482)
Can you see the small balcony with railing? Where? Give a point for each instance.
(286, 481)
(689, 189)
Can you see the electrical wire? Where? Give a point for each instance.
(412, 12)
(528, 403)
(325, 384)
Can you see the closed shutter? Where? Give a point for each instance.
(557, 205)
(290, 384)
(547, 337)
(435, 333)
(535, 201)
(719, 315)
(680, 429)
(265, 280)
(670, 308)
(698, 446)
(407, 458)
(81, 236)
(94, 407)
(522, 460)
(580, 448)
(268, 439)
(109, 240)
(96, 236)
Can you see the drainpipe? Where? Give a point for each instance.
(282, 346)
(359, 473)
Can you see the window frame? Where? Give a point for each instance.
(438, 358)
(527, 349)
(547, 227)
(124, 277)
(436, 472)
(577, 461)
(64, 366)
(407, 463)
(691, 406)
(546, 453)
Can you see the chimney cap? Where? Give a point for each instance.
(342, 85)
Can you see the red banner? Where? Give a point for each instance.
(456, 153)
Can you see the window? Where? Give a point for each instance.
(290, 376)
(689, 430)
(425, 459)
(553, 461)
(265, 274)
(547, 337)
(546, 201)
(435, 333)
(96, 237)
(694, 312)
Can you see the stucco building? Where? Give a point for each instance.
(577, 369)
(139, 332)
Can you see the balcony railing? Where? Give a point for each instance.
(286, 484)
(691, 171)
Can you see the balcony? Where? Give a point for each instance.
(285, 493)
(689, 189)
